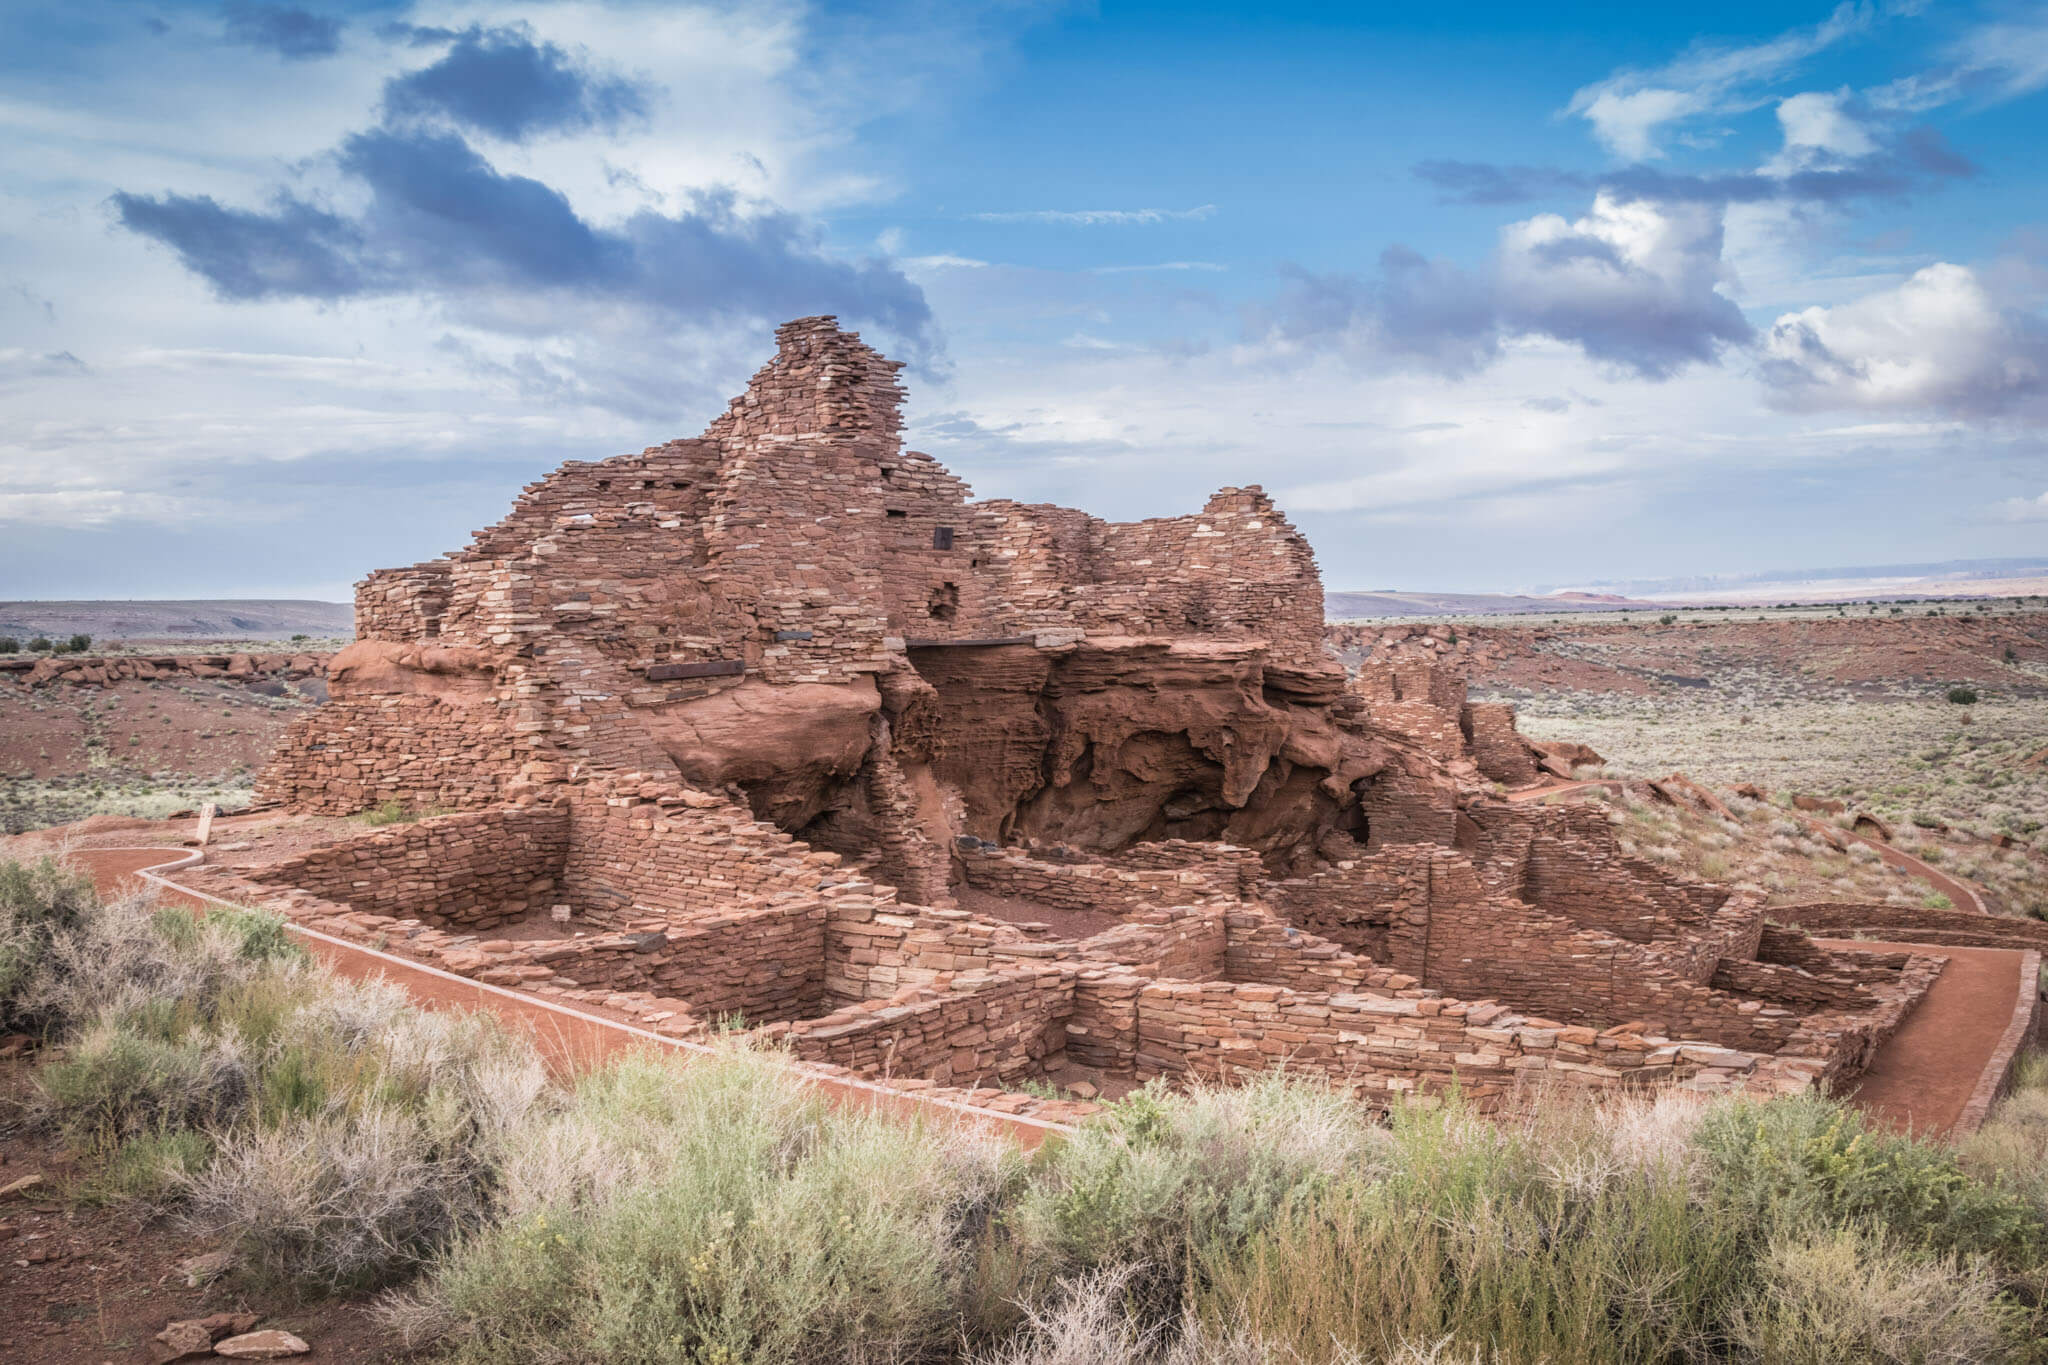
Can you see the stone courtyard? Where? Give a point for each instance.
(775, 729)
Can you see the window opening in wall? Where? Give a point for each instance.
(888, 473)
(942, 537)
(647, 483)
(945, 603)
(679, 483)
(603, 484)
(896, 514)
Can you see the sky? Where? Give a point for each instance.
(1487, 296)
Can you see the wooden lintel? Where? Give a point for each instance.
(704, 668)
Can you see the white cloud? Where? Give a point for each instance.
(1937, 341)
(2023, 509)
(1162, 265)
(1819, 130)
(1630, 110)
(96, 508)
(1099, 217)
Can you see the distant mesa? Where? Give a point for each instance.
(194, 619)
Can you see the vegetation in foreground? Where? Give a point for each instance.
(338, 1141)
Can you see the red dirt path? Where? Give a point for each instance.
(1924, 1076)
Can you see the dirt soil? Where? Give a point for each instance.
(1063, 924)
(80, 1284)
(136, 748)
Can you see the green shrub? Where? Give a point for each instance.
(41, 904)
(1962, 696)
(9, 645)
(1801, 1162)
(78, 644)
(115, 1083)
(40, 645)
(1164, 1174)
(150, 1169)
(391, 812)
(1852, 1297)
(714, 1211)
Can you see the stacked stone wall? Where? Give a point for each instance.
(1096, 886)
(1501, 753)
(641, 847)
(418, 750)
(475, 869)
(1002, 1027)
(1261, 950)
(1383, 1050)
(1957, 928)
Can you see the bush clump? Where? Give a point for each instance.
(1962, 696)
(336, 1139)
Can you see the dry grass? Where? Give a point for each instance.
(718, 1211)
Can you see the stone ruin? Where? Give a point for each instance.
(970, 795)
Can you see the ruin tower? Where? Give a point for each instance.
(790, 605)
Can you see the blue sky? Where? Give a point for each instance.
(1488, 296)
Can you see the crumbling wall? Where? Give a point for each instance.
(1264, 951)
(1383, 1050)
(475, 869)
(640, 848)
(1001, 1028)
(1236, 568)
(421, 751)
(1355, 900)
(1102, 887)
(1501, 753)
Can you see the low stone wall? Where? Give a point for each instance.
(1265, 951)
(1912, 924)
(640, 846)
(1383, 1050)
(1094, 886)
(94, 670)
(2022, 1030)
(475, 868)
(997, 1026)
(420, 750)
(762, 963)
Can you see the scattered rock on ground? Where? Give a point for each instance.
(269, 1344)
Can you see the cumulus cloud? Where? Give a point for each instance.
(1632, 283)
(440, 221)
(1938, 341)
(503, 82)
(291, 33)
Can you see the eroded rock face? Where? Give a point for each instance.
(1119, 740)
(788, 748)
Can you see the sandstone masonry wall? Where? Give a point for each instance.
(476, 869)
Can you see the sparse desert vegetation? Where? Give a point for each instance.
(337, 1141)
(142, 749)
